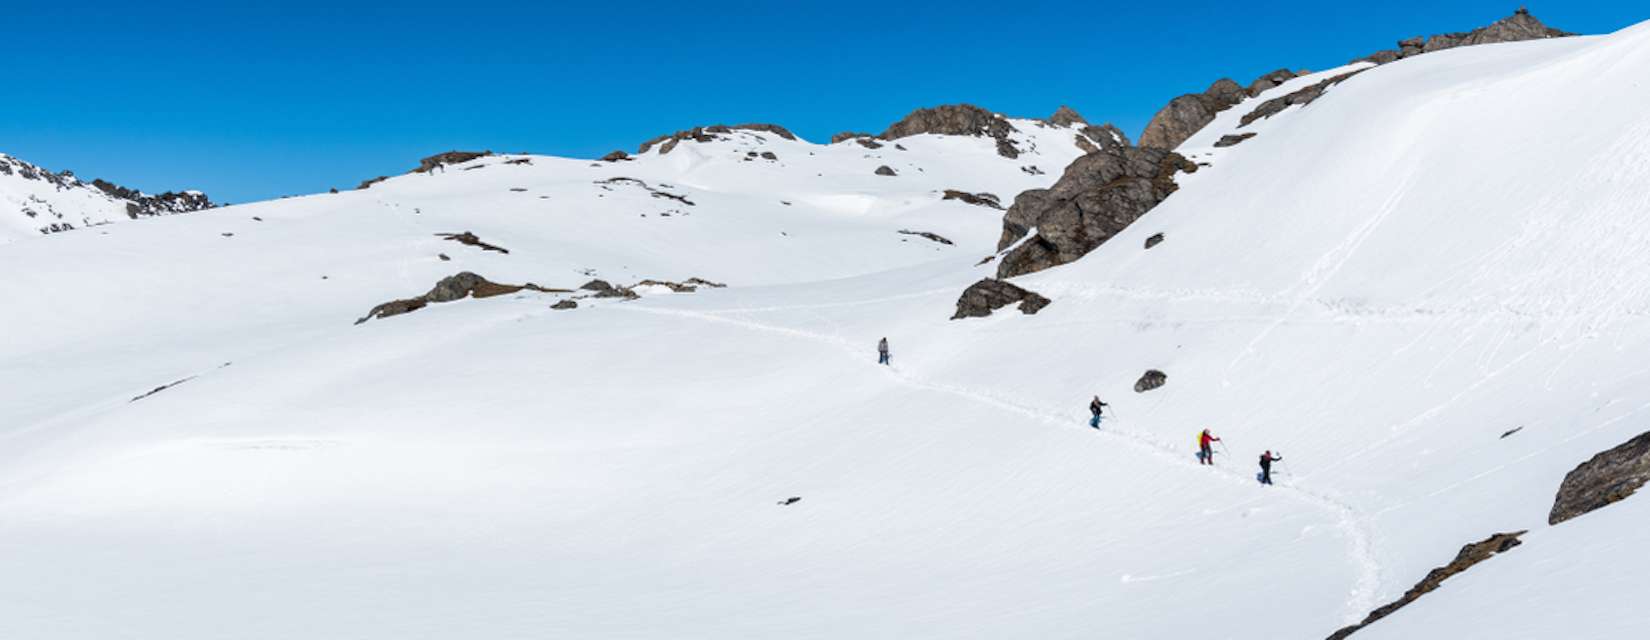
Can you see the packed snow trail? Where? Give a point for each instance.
(1362, 596)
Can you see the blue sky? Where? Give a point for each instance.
(265, 99)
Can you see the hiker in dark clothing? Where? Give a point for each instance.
(882, 352)
(1205, 454)
(1266, 460)
(1095, 407)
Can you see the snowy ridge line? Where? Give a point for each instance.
(1362, 597)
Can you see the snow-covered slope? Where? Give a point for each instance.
(1378, 285)
(34, 202)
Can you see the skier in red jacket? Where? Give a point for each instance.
(1206, 455)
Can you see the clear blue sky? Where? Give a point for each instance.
(263, 99)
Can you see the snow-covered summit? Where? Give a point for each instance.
(35, 201)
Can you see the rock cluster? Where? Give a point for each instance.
(1185, 115)
(1517, 27)
(988, 295)
(927, 235)
(956, 120)
(1234, 138)
(668, 142)
(454, 287)
(1098, 195)
(1271, 80)
(1301, 97)
(1604, 479)
(429, 164)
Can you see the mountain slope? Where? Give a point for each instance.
(1378, 285)
(34, 201)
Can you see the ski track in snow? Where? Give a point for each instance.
(1362, 595)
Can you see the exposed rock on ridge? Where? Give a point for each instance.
(1603, 480)
(1096, 197)
(1468, 556)
(988, 295)
(1517, 27)
(956, 120)
(1185, 115)
(668, 142)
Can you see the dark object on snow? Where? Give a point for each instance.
(1098, 196)
(1468, 556)
(956, 120)
(667, 143)
(1152, 379)
(979, 199)
(789, 501)
(454, 287)
(1302, 97)
(1510, 432)
(1603, 480)
(441, 160)
(471, 239)
(925, 234)
(603, 289)
(615, 156)
(1154, 240)
(1185, 115)
(850, 135)
(565, 305)
(885, 170)
(1516, 27)
(988, 295)
(1233, 139)
(164, 387)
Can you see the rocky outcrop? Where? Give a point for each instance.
(454, 287)
(1152, 379)
(1098, 195)
(988, 295)
(1185, 115)
(1302, 97)
(668, 142)
(981, 199)
(1107, 136)
(472, 240)
(441, 160)
(564, 305)
(604, 289)
(1605, 479)
(1517, 27)
(139, 204)
(1269, 81)
(850, 135)
(956, 120)
(885, 170)
(1468, 556)
(926, 235)
(615, 156)
(1066, 116)
(1233, 139)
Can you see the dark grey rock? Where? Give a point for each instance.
(1154, 240)
(429, 164)
(1603, 480)
(928, 235)
(1232, 139)
(1187, 114)
(615, 156)
(886, 170)
(981, 199)
(458, 286)
(597, 285)
(988, 295)
(1269, 80)
(1098, 195)
(850, 135)
(1066, 116)
(1517, 27)
(956, 120)
(1152, 379)
(668, 142)
(1301, 97)
(565, 305)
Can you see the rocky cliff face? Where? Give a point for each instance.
(956, 120)
(1605, 479)
(1096, 197)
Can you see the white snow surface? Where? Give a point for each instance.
(1378, 286)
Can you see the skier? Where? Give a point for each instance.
(1206, 455)
(882, 352)
(1095, 406)
(1266, 460)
